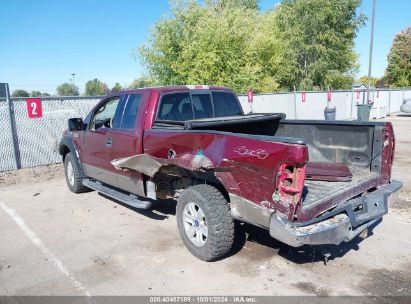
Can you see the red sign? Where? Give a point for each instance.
(358, 94)
(303, 97)
(34, 107)
(329, 96)
(250, 95)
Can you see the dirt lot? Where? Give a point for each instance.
(54, 242)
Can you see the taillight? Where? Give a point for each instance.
(393, 149)
(290, 183)
(388, 150)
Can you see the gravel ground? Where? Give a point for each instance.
(54, 242)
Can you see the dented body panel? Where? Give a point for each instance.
(247, 167)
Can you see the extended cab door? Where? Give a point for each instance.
(97, 141)
(126, 134)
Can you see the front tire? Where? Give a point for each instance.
(73, 175)
(205, 223)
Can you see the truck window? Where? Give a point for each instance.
(104, 115)
(225, 104)
(176, 106)
(130, 111)
(116, 122)
(202, 105)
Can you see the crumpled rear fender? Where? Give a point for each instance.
(150, 165)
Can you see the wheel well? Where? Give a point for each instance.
(64, 150)
(170, 181)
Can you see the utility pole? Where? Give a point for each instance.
(73, 85)
(371, 47)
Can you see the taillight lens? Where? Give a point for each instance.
(290, 183)
(393, 149)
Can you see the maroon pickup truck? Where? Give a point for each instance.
(307, 182)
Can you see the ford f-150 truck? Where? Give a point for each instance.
(307, 182)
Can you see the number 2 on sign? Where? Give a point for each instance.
(33, 108)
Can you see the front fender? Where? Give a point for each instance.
(66, 145)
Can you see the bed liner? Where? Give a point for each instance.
(317, 192)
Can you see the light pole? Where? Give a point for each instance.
(371, 47)
(74, 86)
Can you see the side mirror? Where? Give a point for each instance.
(75, 124)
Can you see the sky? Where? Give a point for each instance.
(43, 42)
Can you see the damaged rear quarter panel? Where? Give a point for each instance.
(247, 167)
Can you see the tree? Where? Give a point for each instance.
(364, 81)
(35, 94)
(20, 93)
(249, 4)
(319, 41)
(398, 72)
(117, 87)
(210, 43)
(381, 83)
(67, 89)
(142, 82)
(96, 88)
(306, 43)
(45, 94)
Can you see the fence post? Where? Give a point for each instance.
(295, 104)
(389, 101)
(352, 102)
(13, 130)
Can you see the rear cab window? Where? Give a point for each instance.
(126, 113)
(182, 106)
(225, 104)
(128, 121)
(176, 106)
(202, 105)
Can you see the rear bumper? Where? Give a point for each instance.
(342, 224)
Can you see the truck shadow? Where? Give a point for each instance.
(262, 244)
(249, 234)
(160, 210)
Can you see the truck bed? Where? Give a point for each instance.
(316, 192)
(355, 144)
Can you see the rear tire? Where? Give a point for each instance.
(205, 223)
(73, 175)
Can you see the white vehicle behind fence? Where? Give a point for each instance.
(406, 105)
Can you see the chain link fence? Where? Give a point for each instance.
(6, 140)
(38, 138)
